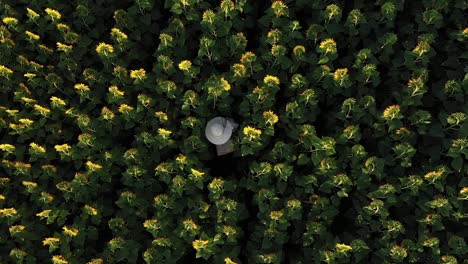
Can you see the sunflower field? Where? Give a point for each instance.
(352, 145)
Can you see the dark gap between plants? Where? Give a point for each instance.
(251, 33)
(104, 231)
(104, 236)
(344, 221)
(229, 167)
(247, 225)
(223, 166)
(291, 249)
(190, 257)
(324, 125)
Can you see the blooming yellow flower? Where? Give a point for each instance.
(276, 215)
(91, 210)
(32, 14)
(391, 112)
(139, 74)
(26, 121)
(465, 32)
(248, 57)
(328, 46)
(229, 261)
(59, 259)
(12, 112)
(161, 115)
(7, 148)
(432, 176)
(152, 225)
(340, 75)
(62, 27)
(164, 133)
(104, 49)
(10, 21)
(216, 184)
(197, 174)
(115, 91)
(181, 158)
(464, 193)
(96, 261)
(421, 48)
(36, 66)
(32, 36)
(63, 47)
(5, 71)
(279, 8)
(42, 110)
(271, 80)
(200, 244)
(225, 84)
(65, 148)
(343, 248)
(70, 231)
(239, 70)
(28, 101)
(185, 65)
(44, 214)
(118, 35)
(55, 101)
(190, 225)
(270, 117)
(22, 166)
(251, 132)
(125, 109)
(82, 87)
(8, 212)
(53, 14)
(299, 50)
(50, 241)
(165, 39)
(29, 184)
(16, 229)
(93, 166)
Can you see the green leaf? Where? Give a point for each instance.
(317, 157)
(457, 163)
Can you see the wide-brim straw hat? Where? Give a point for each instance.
(218, 130)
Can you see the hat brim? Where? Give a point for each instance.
(223, 138)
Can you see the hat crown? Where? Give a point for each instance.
(217, 130)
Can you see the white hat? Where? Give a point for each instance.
(218, 130)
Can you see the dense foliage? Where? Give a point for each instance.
(352, 145)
